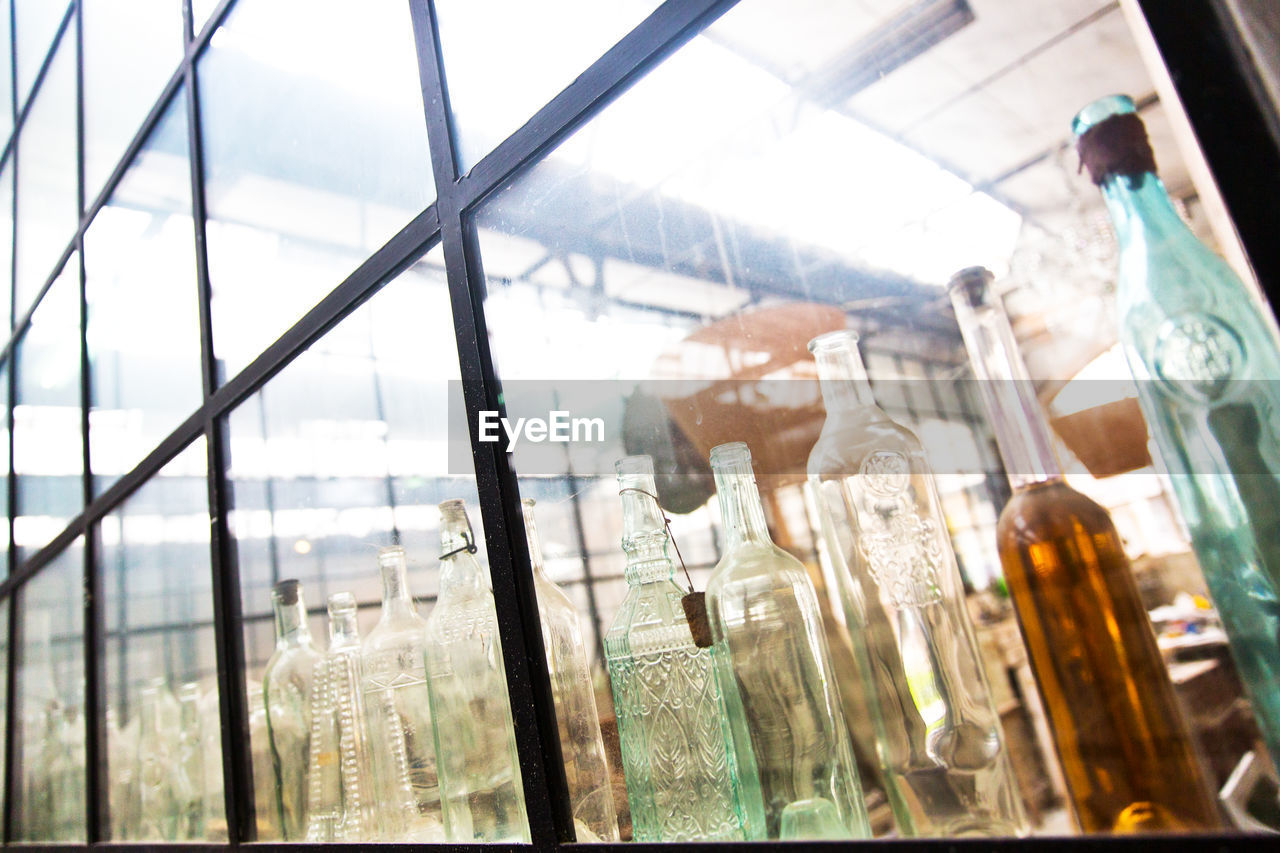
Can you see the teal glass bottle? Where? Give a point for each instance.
(481, 790)
(766, 623)
(938, 733)
(581, 744)
(1207, 368)
(688, 777)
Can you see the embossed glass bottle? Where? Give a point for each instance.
(287, 686)
(765, 621)
(340, 804)
(1206, 366)
(481, 791)
(1125, 749)
(398, 709)
(688, 778)
(939, 736)
(590, 791)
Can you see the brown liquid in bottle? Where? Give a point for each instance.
(1122, 740)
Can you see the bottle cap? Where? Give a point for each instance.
(286, 591)
(973, 284)
(1112, 140)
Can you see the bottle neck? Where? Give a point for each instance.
(534, 540)
(644, 532)
(149, 713)
(843, 379)
(396, 600)
(291, 624)
(1022, 434)
(344, 633)
(460, 572)
(740, 507)
(1141, 210)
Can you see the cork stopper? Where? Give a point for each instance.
(286, 591)
(973, 284)
(1117, 145)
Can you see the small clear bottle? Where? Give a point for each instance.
(590, 790)
(287, 687)
(689, 778)
(158, 815)
(340, 806)
(398, 707)
(938, 732)
(189, 769)
(766, 623)
(481, 791)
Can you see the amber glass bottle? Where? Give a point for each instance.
(1125, 748)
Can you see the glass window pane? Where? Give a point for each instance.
(37, 23)
(48, 454)
(4, 468)
(200, 12)
(140, 286)
(47, 205)
(164, 737)
(776, 178)
(130, 51)
(4, 688)
(6, 246)
(315, 149)
(6, 78)
(341, 453)
(50, 713)
(504, 59)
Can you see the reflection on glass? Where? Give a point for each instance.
(37, 23)
(140, 251)
(130, 51)
(315, 152)
(163, 733)
(48, 457)
(6, 79)
(6, 242)
(50, 713)
(500, 73)
(340, 454)
(47, 205)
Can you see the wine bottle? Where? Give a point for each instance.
(766, 623)
(939, 736)
(1206, 367)
(1124, 746)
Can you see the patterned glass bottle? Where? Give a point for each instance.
(480, 786)
(766, 623)
(685, 779)
(287, 686)
(340, 803)
(590, 792)
(1207, 368)
(397, 705)
(938, 733)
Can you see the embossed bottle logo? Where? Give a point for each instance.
(1197, 356)
(902, 549)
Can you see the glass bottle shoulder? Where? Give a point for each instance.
(756, 568)
(291, 663)
(853, 442)
(395, 630)
(650, 620)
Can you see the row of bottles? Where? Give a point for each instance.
(406, 736)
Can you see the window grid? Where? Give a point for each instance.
(448, 221)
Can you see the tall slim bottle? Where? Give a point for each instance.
(766, 623)
(480, 786)
(1124, 746)
(340, 803)
(688, 777)
(398, 708)
(158, 801)
(585, 769)
(1206, 367)
(287, 686)
(189, 773)
(940, 741)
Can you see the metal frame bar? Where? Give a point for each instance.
(450, 221)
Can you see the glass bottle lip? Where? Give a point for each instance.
(832, 341)
(453, 511)
(391, 556)
(528, 503)
(634, 466)
(730, 453)
(974, 284)
(341, 602)
(1099, 111)
(287, 591)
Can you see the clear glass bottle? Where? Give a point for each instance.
(189, 767)
(939, 736)
(1125, 749)
(158, 811)
(287, 687)
(585, 769)
(340, 804)
(122, 756)
(689, 778)
(481, 790)
(266, 803)
(399, 712)
(766, 623)
(1206, 366)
